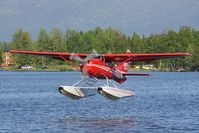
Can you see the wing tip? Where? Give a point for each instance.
(188, 54)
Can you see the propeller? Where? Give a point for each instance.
(83, 62)
(91, 56)
(75, 57)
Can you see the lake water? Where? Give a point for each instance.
(164, 102)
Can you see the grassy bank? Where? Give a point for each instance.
(43, 69)
(69, 68)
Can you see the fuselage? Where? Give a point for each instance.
(100, 70)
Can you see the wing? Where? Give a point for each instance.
(108, 57)
(141, 57)
(53, 55)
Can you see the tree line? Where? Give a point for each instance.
(106, 41)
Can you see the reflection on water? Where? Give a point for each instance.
(100, 125)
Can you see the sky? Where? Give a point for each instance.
(128, 16)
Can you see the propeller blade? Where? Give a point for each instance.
(92, 55)
(89, 57)
(83, 62)
(95, 52)
(77, 58)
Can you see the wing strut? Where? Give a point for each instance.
(68, 62)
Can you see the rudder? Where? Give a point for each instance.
(123, 67)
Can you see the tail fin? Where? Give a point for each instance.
(123, 67)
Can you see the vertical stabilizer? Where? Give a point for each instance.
(123, 67)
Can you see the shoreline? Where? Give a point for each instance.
(69, 70)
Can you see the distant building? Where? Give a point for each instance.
(26, 67)
(148, 67)
(8, 60)
(144, 67)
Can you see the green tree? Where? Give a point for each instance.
(136, 44)
(108, 41)
(1, 51)
(56, 40)
(43, 41)
(42, 44)
(22, 41)
(73, 41)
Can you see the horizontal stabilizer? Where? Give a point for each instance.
(135, 74)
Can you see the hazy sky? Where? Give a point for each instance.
(128, 16)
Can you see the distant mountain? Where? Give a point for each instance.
(128, 16)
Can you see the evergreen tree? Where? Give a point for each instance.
(136, 44)
(73, 41)
(42, 44)
(109, 41)
(56, 40)
(43, 41)
(1, 51)
(22, 41)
